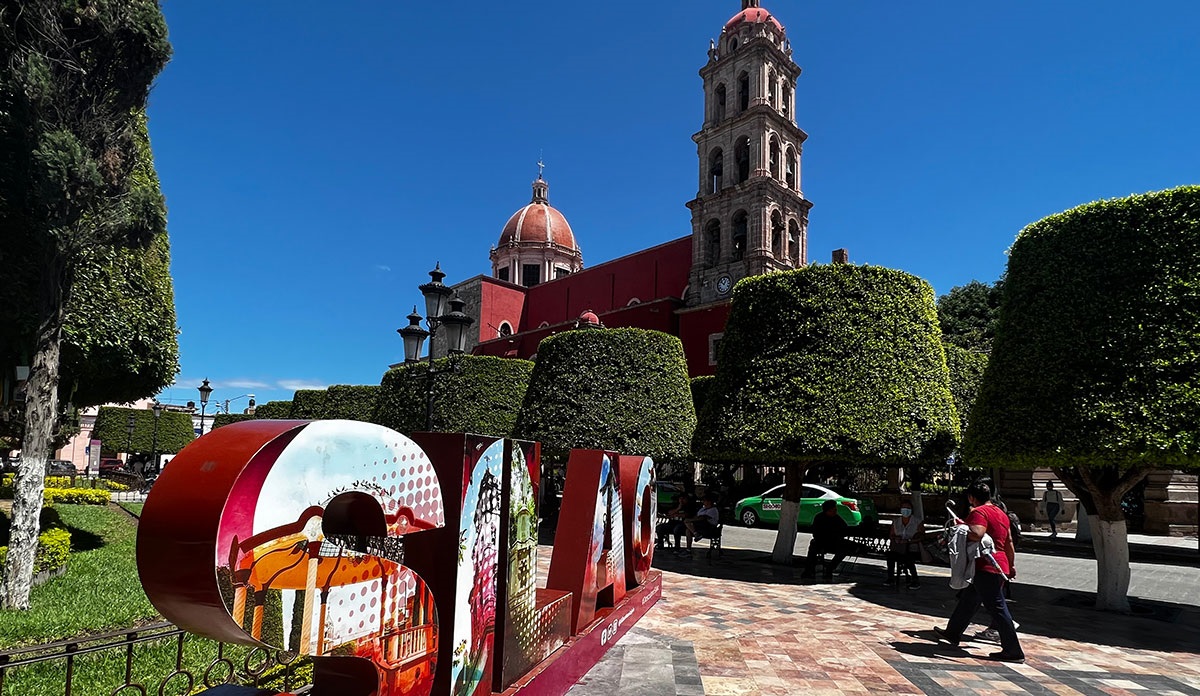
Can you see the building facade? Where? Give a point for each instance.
(749, 217)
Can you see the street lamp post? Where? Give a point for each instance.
(205, 392)
(130, 425)
(157, 409)
(437, 297)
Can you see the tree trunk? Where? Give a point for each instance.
(1110, 541)
(789, 513)
(41, 415)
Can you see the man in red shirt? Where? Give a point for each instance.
(988, 586)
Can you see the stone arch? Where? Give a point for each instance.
(740, 228)
(741, 153)
(719, 99)
(794, 242)
(790, 167)
(777, 232)
(712, 243)
(743, 91)
(773, 161)
(716, 169)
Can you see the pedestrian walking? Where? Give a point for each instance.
(987, 523)
(1053, 501)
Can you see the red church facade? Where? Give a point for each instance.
(749, 217)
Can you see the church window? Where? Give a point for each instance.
(743, 92)
(505, 329)
(560, 272)
(774, 155)
(790, 164)
(739, 235)
(772, 87)
(741, 153)
(714, 347)
(786, 101)
(712, 240)
(716, 166)
(531, 274)
(794, 242)
(777, 234)
(502, 274)
(719, 103)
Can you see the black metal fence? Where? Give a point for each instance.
(158, 659)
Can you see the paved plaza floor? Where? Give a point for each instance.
(740, 625)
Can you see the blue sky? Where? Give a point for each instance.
(319, 158)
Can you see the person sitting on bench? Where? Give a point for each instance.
(828, 536)
(907, 531)
(704, 524)
(675, 521)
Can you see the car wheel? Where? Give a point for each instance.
(749, 518)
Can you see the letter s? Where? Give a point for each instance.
(290, 534)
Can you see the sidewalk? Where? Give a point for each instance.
(1142, 547)
(742, 626)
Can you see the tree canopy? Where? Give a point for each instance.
(836, 363)
(274, 410)
(472, 394)
(1097, 353)
(967, 315)
(966, 373)
(619, 389)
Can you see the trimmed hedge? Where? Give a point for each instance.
(76, 496)
(308, 404)
(54, 541)
(482, 396)
(351, 402)
(701, 391)
(619, 389)
(831, 364)
(227, 418)
(112, 429)
(966, 373)
(1096, 361)
(274, 410)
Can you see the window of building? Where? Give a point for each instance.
(716, 167)
(633, 301)
(786, 101)
(505, 329)
(560, 272)
(712, 240)
(777, 234)
(790, 173)
(739, 235)
(714, 347)
(502, 274)
(743, 92)
(531, 274)
(794, 242)
(772, 87)
(741, 153)
(719, 103)
(773, 164)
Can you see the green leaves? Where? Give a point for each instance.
(1097, 354)
(481, 395)
(833, 363)
(620, 389)
(112, 429)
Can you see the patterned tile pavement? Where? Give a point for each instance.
(739, 627)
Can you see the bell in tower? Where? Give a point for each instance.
(749, 216)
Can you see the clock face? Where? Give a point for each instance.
(724, 283)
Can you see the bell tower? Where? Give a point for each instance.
(750, 216)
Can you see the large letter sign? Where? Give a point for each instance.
(404, 567)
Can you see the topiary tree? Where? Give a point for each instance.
(836, 364)
(618, 389)
(966, 373)
(112, 429)
(351, 402)
(701, 389)
(482, 395)
(74, 80)
(274, 410)
(308, 404)
(1095, 370)
(226, 418)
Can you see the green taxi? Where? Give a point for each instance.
(764, 509)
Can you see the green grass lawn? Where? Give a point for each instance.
(100, 590)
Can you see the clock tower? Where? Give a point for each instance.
(750, 216)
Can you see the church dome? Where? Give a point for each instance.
(538, 223)
(752, 14)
